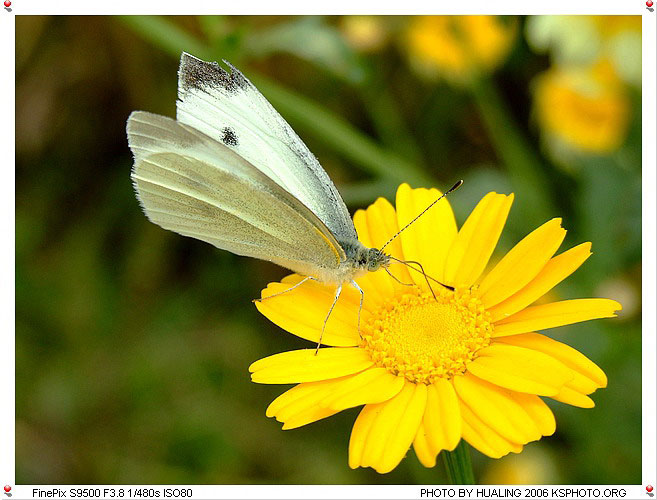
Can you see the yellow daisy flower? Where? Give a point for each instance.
(585, 108)
(467, 364)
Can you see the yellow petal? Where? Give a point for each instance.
(394, 428)
(303, 365)
(574, 398)
(428, 239)
(424, 453)
(377, 289)
(442, 418)
(385, 424)
(373, 385)
(556, 270)
(381, 223)
(400, 441)
(302, 311)
(587, 376)
(520, 369)
(522, 263)
(475, 242)
(556, 314)
(360, 223)
(287, 398)
(494, 406)
(537, 410)
(476, 440)
(361, 431)
(483, 438)
(377, 225)
(570, 357)
(299, 405)
(307, 402)
(308, 416)
(582, 384)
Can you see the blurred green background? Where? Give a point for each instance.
(132, 343)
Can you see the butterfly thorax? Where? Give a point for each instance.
(359, 260)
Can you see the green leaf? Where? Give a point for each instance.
(166, 35)
(323, 46)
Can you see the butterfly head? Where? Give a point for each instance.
(372, 259)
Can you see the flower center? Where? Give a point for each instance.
(422, 339)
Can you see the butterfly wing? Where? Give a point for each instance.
(189, 183)
(227, 107)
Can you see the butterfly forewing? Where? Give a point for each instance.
(227, 107)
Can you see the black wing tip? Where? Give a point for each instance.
(194, 73)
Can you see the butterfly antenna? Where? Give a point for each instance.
(453, 188)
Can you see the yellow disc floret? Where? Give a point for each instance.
(424, 338)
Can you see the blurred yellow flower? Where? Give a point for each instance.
(459, 47)
(610, 26)
(364, 33)
(430, 371)
(586, 109)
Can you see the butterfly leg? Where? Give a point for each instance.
(360, 308)
(338, 291)
(288, 290)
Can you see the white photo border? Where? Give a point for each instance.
(78, 7)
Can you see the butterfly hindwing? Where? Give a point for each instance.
(189, 183)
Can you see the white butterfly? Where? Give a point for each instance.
(231, 171)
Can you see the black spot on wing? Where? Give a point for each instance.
(229, 137)
(197, 74)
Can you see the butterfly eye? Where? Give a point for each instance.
(373, 265)
(374, 259)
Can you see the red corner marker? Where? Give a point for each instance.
(649, 488)
(649, 4)
(7, 4)
(7, 487)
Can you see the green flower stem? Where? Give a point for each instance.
(458, 465)
(521, 161)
